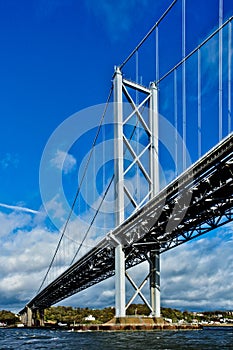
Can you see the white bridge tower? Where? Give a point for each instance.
(127, 92)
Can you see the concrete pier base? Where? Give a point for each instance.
(135, 323)
(29, 317)
(137, 320)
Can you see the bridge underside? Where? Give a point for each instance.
(198, 201)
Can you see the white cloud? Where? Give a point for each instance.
(98, 296)
(26, 251)
(63, 161)
(19, 208)
(197, 275)
(13, 221)
(55, 208)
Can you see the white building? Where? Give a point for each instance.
(90, 318)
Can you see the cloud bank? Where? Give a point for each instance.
(196, 276)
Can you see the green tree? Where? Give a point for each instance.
(8, 317)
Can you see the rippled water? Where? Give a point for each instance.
(25, 339)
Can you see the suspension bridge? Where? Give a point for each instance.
(150, 215)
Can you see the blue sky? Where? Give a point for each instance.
(57, 58)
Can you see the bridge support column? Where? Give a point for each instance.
(119, 191)
(41, 317)
(23, 318)
(30, 321)
(155, 283)
(154, 173)
(120, 281)
(154, 151)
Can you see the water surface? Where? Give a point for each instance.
(25, 339)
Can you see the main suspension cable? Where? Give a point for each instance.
(79, 187)
(93, 219)
(148, 34)
(101, 202)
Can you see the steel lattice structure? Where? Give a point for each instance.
(196, 202)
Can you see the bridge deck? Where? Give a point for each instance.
(199, 200)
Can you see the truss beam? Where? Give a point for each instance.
(210, 183)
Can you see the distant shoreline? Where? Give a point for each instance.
(131, 327)
(218, 326)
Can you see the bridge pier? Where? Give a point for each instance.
(120, 281)
(30, 317)
(29, 321)
(23, 318)
(155, 283)
(41, 317)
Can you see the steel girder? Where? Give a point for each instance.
(198, 201)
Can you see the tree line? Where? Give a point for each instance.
(71, 315)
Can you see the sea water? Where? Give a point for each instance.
(25, 339)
